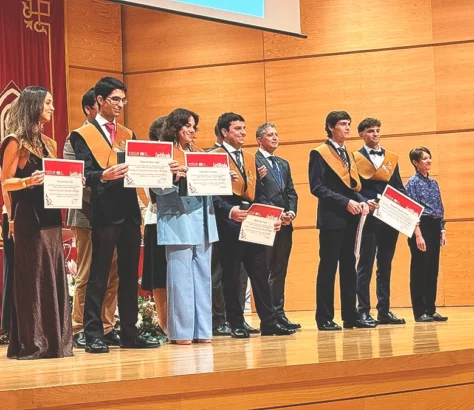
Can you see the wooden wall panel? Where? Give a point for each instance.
(156, 40)
(94, 35)
(395, 86)
(79, 82)
(452, 20)
(456, 261)
(207, 91)
(335, 26)
(307, 206)
(454, 86)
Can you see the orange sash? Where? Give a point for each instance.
(105, 155)
(366, 168)
(50, 145)
(337, 165)
(245, 189)
(178, 155)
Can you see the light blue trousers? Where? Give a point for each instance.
(189, 291)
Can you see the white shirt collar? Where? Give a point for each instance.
(266, 154)
(229, 147)
(102, 121)
(368, 149)
(335, 144)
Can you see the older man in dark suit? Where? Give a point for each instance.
(276, 188)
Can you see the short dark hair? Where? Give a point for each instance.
(176, 120)
(106, 85)
(262, 128)
(416, 154)
(155, 128)
(226, 119)
(88, 100)
(217, 132)
(368, 123)
(333, 118)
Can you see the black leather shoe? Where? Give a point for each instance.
(142, 342)
(283, 320)
(328, 326)
(221, 330)
(367, 317)
(438, 318)
(251, 330)
(359, 324)
(79, 340)
(424, 318)
(97, 345)
(112, 338)
(239, 333)
(390, 319)
(277, 330)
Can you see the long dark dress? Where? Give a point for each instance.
(41, 324)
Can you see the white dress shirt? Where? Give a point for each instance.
(102, 121)
(377, 160)
(232, 150)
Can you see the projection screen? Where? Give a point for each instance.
(281, 16)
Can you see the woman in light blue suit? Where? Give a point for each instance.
(187, 228)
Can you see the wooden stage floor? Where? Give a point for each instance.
(422, 366)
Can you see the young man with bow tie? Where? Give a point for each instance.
(377, 168)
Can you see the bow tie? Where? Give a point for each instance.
(373, 152)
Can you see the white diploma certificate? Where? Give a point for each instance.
(259, 226)
(208, 174)
(399, 211)
(148, 164)
(63, 183)
(358, 242)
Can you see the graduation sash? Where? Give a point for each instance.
(366, 168)
(245, 184)
(178, 155)
(336, 163)
(50, 145)
(104, 154)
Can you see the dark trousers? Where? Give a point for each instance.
(424, 268)
(337, 246)
(233, 253)
(218, 303)
(126, 238)
(8, 263)
(379, 240)
(279, 256)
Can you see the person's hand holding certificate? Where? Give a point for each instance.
(208, 174)
(398, 211)
(259, 226)
(148, 164)
(63, 183)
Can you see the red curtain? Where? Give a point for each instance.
(32, 51)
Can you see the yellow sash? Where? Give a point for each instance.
(366, 168)
(241, 188)
(50, 145)
(105, 155)
(178, 155)
(337, 165)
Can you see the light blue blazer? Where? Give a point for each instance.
(184, 220)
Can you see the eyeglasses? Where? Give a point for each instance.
(117, 100)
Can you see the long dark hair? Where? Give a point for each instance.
(176, 120)
(24, 116)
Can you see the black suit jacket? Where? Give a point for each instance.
(111, 203)
(370, 188)
(332, 193)
(269, 191)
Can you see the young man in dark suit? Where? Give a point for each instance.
(115, 219)
(233, 252)
(333, 179)
(276, 188)
(377, 168)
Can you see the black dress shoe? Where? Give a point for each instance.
(424, 318)
(239, 333)
(79, 340)
(328, 326)
(367, 317)
(438, 318)
(142, 342)
(112, 338)
(359, 324)
(221, 330)
(277, 330)
(251, 330)
(97, 345)
(283, 320)
(390, 319)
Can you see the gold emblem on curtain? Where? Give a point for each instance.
(34, 11)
